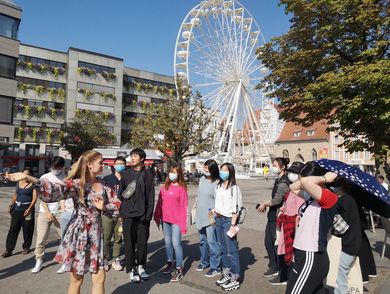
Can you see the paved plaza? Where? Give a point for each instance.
(16, 276)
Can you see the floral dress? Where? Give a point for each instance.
(81, 249)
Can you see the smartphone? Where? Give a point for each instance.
(229, 233)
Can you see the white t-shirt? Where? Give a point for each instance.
(69, 205)
(51, 177)
(227, 201)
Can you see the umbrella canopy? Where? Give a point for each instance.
(365, 189)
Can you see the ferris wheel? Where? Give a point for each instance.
(215, 54)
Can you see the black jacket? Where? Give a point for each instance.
(141, 204)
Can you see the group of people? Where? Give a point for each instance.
(307, 204)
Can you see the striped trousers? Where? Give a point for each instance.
(308, 272)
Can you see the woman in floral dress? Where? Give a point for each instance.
(81, 249)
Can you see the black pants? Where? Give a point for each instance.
(18, 221)
(135, 237)
(284, 269)
(269, 243)
(308, 272)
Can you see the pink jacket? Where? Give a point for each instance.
(172, 207)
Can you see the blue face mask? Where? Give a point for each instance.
(119, 168)
(224, 175)
(172, 177)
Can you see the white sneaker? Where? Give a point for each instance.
(116, 265)
(62, 269)
(37, 267)
(134, 277)
(142, 273)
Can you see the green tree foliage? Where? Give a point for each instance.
(175, 127)
(85, 132)
(334, 64)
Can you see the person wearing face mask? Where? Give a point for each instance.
(111, 224)
(286, 223)
(208, 245)
(280, 188)
(49, 213)
(172, 212)
(228, 202)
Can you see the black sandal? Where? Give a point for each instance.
(6, 254)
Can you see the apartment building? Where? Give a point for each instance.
(10, 15)
(52, 86)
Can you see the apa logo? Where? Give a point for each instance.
(353, 290)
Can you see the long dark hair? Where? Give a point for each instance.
(180, 177)
(232, 174)
(212, 165)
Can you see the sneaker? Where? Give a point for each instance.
(134, 277)
(142, 273)
(372, 276)
(62, 269)
(116, 265)
(201, 268)
(232, 285)
(37, 267)
(6, 254)
(276, 282)
(223, 280)
(177, 276)
(26, 251)
(169, 268)
(270, 273)
(212, 273)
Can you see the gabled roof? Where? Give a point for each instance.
(304, 133)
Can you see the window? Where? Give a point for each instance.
(346, 154)
(127, 79)
(336, 140)
(36, 60)
(336, 155)
(98, 68)
(356, 155)
(314, 154)
(285, 153)
(310, 132)
(367, 155)
(36, 82)
(6, 109)
(34, 103)
(7, 66)
(297, 134)
(52, 151)
(9, 26)
(156, 101)
(32, 164)
(96, 88)
(12, 150)
(94, 107)
(32, 150)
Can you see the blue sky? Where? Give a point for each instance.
(142, 32)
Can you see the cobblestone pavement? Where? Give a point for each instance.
(16, 276)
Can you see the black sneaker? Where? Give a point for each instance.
(276, 282)
(270, 273)
(232, 285)
(177, 276)
(223, 280)
(169, 268)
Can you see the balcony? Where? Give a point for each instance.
(39, 114)
(38, 135)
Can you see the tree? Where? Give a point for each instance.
(85, 132)
(334, 64)
(176, 127)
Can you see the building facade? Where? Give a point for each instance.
(53, 86)
(10, 15)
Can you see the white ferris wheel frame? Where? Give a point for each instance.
(241, 98)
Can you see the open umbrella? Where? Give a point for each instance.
(365, 189)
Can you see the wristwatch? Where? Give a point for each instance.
(232, 225)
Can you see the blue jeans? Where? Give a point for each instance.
(172, 237)
(209, 248)
(64, 220)
(346, 262)
(228, 248)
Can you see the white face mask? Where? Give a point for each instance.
(292, 177)
(57, 172)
